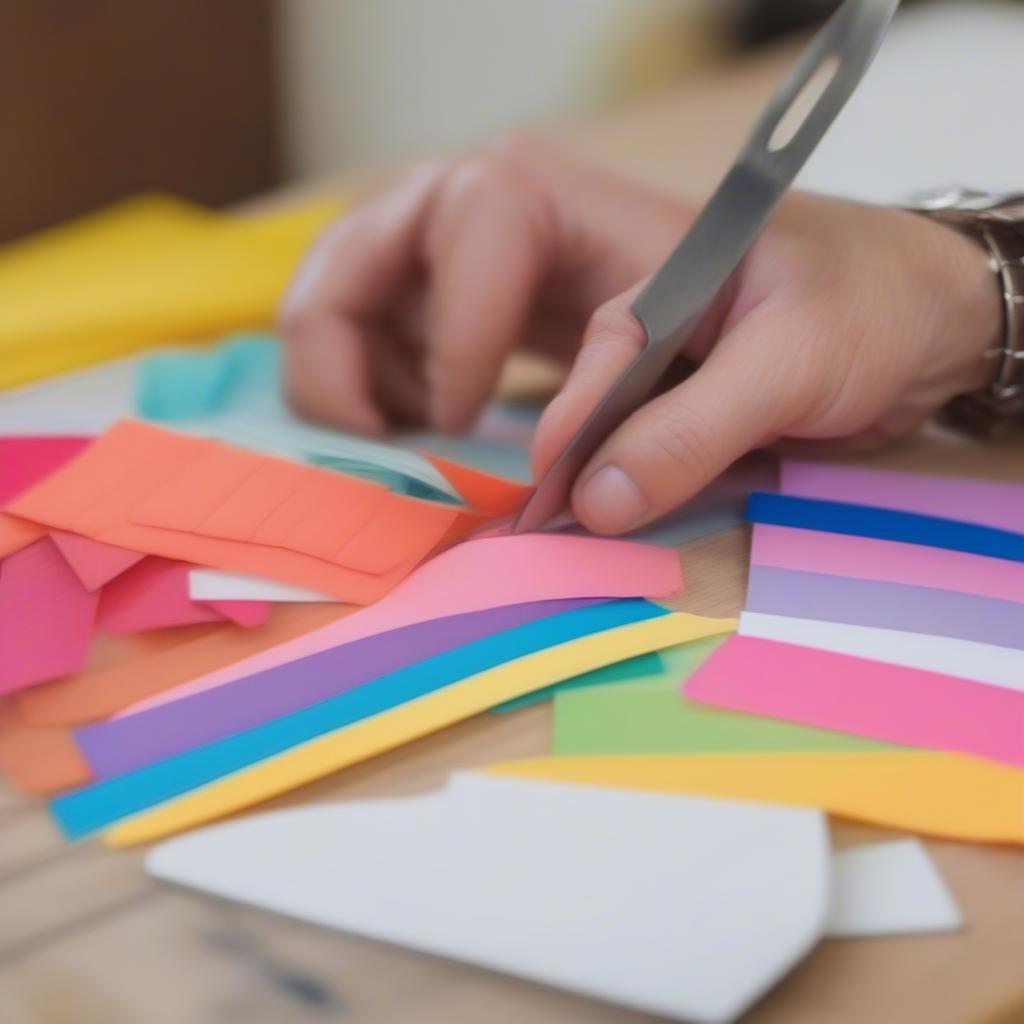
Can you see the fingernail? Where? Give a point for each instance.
(611, 502)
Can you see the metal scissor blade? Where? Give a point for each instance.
(677, 297)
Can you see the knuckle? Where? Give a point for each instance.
(686, 438)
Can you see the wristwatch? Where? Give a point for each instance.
(997, 223)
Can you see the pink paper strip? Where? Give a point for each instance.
(971, 501)
(242, 613)
(46, 617)
(489, 573)
(866, 698)
(94, 562)
(783, 547)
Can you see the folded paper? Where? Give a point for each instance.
(405, 722)
(475, 575)
(24, 461)
(199, 501)
(899, 606)
(936, 794)
(886, 524)
(867, 698)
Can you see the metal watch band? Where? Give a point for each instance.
(997, 222)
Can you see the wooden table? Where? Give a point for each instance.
(86, 938)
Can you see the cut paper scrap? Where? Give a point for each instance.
(94, 807)
(982, 663)
(220, 585)
(154, 595)
(887, 561)
(859, 602)
(94, 563)
(863, 697)
(885, 524)
(404, 723)
(935, 794)
(199, 501)
(40, 761)
(621, 671)
(682, 907)
(650, 717)
(24, 461)
(46, 617)
(167, 659)
(891, 888)
(124, 744)
(478, 574)
(134, 276)
(16, 534)
(984, 502)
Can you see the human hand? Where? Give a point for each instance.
(845, 323)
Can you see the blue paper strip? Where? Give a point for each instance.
(885, 524)
(93, 807)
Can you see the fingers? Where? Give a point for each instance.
(352, 273)
(678, 443)
(490, 243)
(612, 338)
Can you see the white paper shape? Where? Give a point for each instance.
(889, 889)
(221, 585)
(982, 663)
(687, 907)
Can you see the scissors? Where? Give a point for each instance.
(676, 298)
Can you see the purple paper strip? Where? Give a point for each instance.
(124, 744)
(810, 595)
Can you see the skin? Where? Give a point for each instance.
(847, 325)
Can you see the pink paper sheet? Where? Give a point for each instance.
(835, 554)
(154, 595)
(24, 461)
(971, 501)
(867, 698)
(46, 617)
(473, 576)
(94, 562)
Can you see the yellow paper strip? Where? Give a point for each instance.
(934, 793)
(407, 722)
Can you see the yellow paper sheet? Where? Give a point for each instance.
(937, 794)
(407, 722)
(142, 273)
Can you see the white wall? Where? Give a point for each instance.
(369, 80)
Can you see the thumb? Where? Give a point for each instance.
(676, 444)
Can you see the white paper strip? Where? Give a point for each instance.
(983, 663)
(220, 585)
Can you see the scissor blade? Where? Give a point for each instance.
(678, 296)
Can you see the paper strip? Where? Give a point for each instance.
(96, 806)
(479, 574)
(982, 663)
(219, 585)
(46, 617)
(167, 659)
(651, 717)
(867, 698)
(984, 502)
(941, 613)
(936, 794)
(889, 889)
(887, 561)
(407, 722)
(885, 524)
(124, 744)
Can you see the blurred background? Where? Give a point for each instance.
(218, 101)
